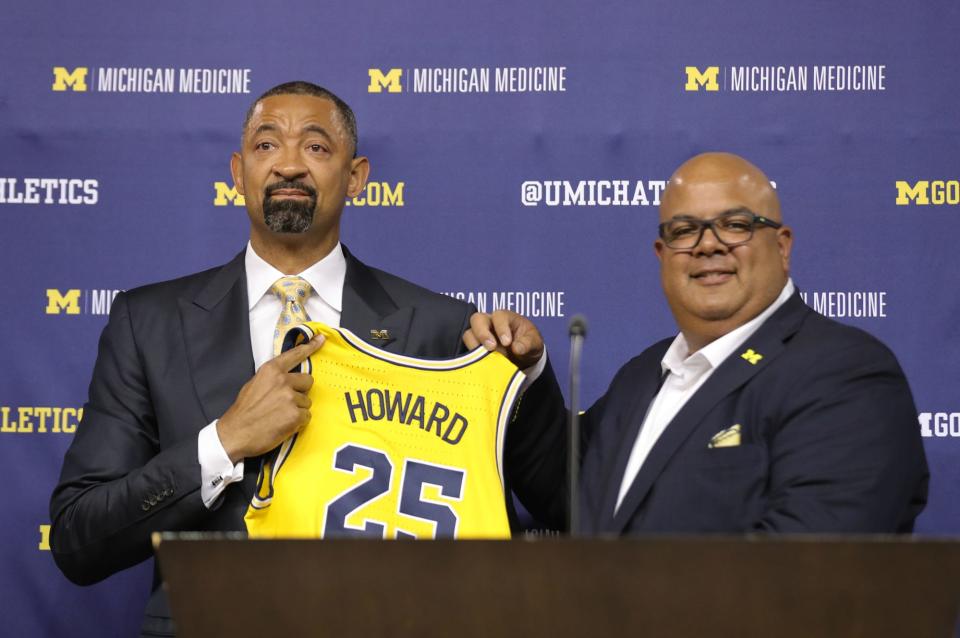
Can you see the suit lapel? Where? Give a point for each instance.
(368, 311)
(647, 389)
(216, 324)
(216, 328)
(734, 372)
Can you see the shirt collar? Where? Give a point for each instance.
(326, 277)
(677, 359)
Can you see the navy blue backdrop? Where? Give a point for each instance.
(518, 151)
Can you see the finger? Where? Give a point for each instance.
(527, 339)
(302, 401)
(503, 321)
(304, 416)
(470, 340)
(300, 381)
(295, 356)
(527, 342)
(480, 325)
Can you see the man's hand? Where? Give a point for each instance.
(506, 332)
(270, 407)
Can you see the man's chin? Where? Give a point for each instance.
(283, 230)
(714, 309)
(714, 314)
(288, 217)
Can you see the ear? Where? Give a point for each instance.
(359, 172)
(658, 248)
(236, 169)
(785, 245)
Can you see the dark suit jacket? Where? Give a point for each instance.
(830, 441)
(172, 359)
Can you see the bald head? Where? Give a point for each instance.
(708, 171)
(715, 286)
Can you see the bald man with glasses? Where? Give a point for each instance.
(759, 416)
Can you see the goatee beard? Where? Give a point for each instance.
(289, 215)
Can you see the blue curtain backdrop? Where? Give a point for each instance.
(518, 152)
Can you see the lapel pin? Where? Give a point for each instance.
(751, 356)
(380, 335)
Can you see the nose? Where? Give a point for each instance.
(289, 163)
(710, 243)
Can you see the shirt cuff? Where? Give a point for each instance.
(216, 470)
(533, 372)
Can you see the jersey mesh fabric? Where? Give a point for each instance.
(397, 447)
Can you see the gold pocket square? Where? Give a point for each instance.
(726, 438)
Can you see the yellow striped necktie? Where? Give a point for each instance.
(292, 293)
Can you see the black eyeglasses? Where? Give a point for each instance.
(731, 229)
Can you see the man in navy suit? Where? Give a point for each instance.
(759, 416)
(186, 394)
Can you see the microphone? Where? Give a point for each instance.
(578, 331)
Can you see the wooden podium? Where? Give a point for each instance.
(777, 587)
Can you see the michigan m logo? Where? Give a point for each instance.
(918, 193)
(389, 81)
(57, 303)
(227, 194)
(706, 79)
(76, 79)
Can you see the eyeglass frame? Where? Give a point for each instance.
(709, 223)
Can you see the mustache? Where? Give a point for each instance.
(299, 186)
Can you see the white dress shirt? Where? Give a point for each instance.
(325, 305)
(685, 374)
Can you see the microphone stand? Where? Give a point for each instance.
(578, 330)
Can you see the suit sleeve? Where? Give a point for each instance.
(847, 454)
(459, 347)
(536, 449)
(116, 485)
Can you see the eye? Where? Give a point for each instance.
(681, 229)
(736, 224)
(317, 148)
(264, 146)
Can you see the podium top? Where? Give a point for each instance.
(659, 586)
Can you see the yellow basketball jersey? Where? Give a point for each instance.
(396, 447)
